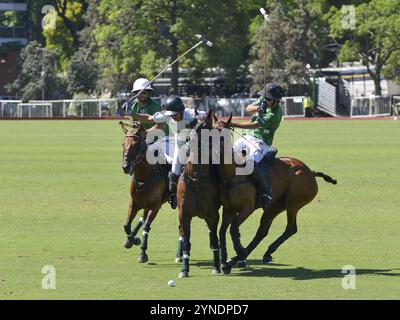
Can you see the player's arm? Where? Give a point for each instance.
(245, 125)
(252, 108)
(256, 106)
(143, 117)
(158, 126)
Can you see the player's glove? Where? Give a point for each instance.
(263, 107)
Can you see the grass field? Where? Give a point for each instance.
(63, 202)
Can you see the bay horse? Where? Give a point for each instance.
(198, 196)
(293, 184)
(148, 189)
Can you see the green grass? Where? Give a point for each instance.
(63, 202)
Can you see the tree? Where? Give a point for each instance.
(82, 73)
(294, 39)
(36, 70)
(65, 35)
(374, 40)
(137, 38)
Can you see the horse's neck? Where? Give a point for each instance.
(196, 170)
(227, 170)
(143, 170)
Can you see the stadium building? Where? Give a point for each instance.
(13, 35)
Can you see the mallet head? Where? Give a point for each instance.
(206, 41)
(265, 14)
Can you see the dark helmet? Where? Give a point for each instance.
(272, 91)
(173, 105)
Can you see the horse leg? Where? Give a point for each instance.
(214, 243)
(235, 235)
(179, 252)
(226, 221)
(185, 224)
(131, 239)
(150, 216)
(262, 231)
(291, 229)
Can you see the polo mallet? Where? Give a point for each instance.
(266, 20)
(198, 36)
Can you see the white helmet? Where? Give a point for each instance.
(140, 84)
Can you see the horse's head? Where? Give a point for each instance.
(221, 125)
(134, 145)
(198, 125)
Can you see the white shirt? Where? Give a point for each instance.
(177, 126)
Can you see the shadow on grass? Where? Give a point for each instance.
(257, 268)
(301, 273)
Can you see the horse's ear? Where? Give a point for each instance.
(210, 117)
(228, 123)
(215, 118)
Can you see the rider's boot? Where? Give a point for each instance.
(261, 175)
(173, 183)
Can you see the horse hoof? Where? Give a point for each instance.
(183, 274)
(178, 259)
(242, 264)
(216, 271)
(267, 259)
(226, 268)
(136, 241)
(143, 258)
(128, 244)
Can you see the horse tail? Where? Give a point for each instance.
(326, 177)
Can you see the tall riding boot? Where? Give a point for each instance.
(261, 175)
(173, 183)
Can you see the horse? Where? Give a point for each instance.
(148, 189)
(294, 185)
(198, 196)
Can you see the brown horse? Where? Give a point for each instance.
(198, 196)
(293, 184)
(148, 186)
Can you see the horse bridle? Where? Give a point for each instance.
(140, 154)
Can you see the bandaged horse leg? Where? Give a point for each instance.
(226, 221)
(151, 214)
(131, 239)
(214, 244)
(179, 251)
(186, 245)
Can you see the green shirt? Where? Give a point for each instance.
(268, 121)
(150, 108)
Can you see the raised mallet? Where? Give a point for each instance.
(198, 36)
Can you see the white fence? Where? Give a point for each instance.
(98, 108)
(90, 108)
(373, 106)
(34, 110)
(396, 106)
(293, 107)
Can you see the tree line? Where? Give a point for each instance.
(104, 45)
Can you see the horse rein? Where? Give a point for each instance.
(233, 129)
(141, 152)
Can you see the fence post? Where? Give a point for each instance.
(99, 108)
